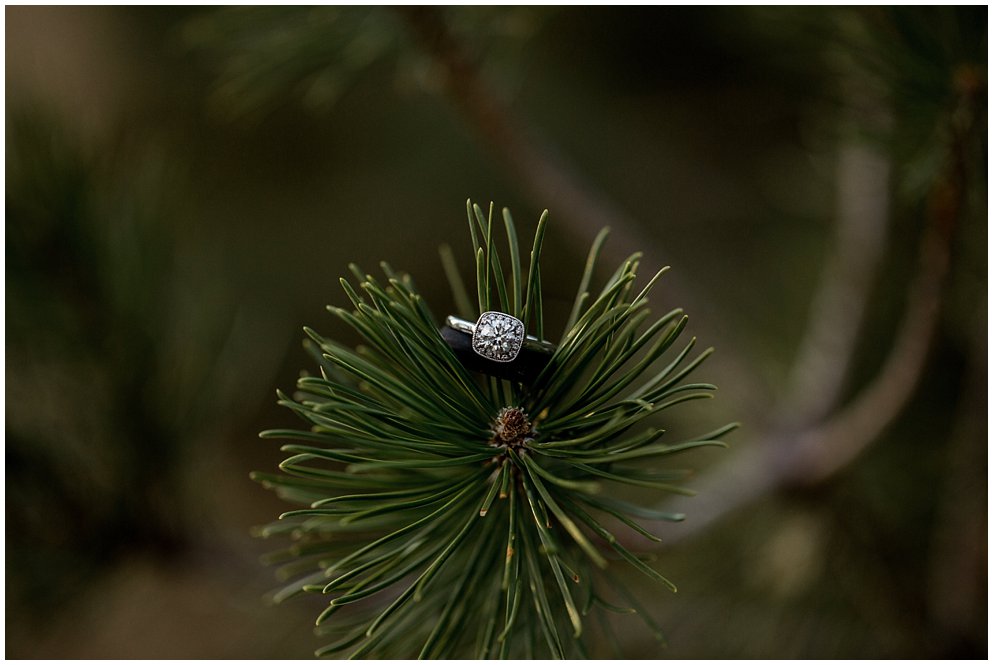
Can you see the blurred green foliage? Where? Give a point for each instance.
(185, 185)
(121, 346)
(265, 57)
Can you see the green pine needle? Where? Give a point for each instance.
(430, 533)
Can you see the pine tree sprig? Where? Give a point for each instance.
(444, 513)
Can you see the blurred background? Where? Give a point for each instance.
(184, 187)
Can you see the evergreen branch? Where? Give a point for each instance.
(416, 476)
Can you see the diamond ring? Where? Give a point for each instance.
(497, 345)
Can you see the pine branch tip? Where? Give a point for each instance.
(366, 515)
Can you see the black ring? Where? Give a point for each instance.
(525, 368)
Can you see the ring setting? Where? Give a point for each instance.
(498, 340)
(498, 336)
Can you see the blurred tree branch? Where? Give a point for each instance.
(824, 449)
(838, 305)
(798, 453)
(545, 175)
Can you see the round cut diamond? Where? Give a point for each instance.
(498, 336)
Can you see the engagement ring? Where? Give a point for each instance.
(497, 345)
